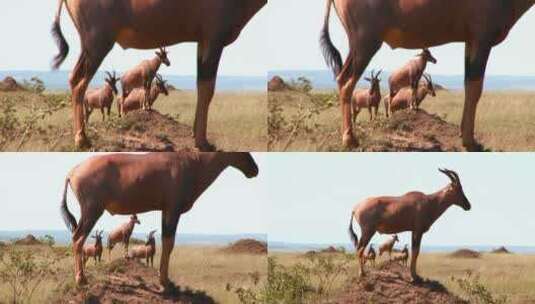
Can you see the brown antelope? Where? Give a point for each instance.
(403, 98)
(137, 183)
(95, 250)
(101, 98)
(135, 99)
(418, 24)
(148, 25)
(122, 234)
(371, 256)
(388, 246)
(146, 251)
(410, 74)
(414, 211)
(142, 75)
(404, 257)
(369, 99)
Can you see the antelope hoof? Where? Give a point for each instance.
(473, 146)
(168, 288)
(81, 141)
(349, 141)
(416, 279)
(81, 280)
(205, 147)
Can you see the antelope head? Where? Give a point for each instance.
(244, 162)
(395, 238)
(430, 86)
(133, 219)
(162, 54)
(454, 192)
(375, 81)
(161, 84)
(98, 236)
(150, 237)
(426, 55)
(111, 80)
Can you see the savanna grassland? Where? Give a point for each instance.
(311, 120)
(43, 122)
(203, 273)
(491, 278)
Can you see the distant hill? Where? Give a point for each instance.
(58, 80)
(63, 237)
(323, 79)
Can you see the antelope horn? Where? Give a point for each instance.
(108, 74)
(379, 73)
(451, 174)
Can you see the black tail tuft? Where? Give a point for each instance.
(332, 56)
(352, 234)
(61, 43)
(68, 218)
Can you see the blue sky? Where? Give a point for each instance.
(31, 186)
(311, 195)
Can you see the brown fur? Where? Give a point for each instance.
(135, 99)
(403, 98)
(146, 251)
(122, 234)
(101, 98)
(94, 250)
(388, 246)
(368, 99)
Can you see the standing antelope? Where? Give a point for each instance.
(122, 234)
(388, 246)
(136, 183)
(414, 211)
(369, 99)
(142, 75)
(146, 251)
(418, 24)
(410, 74)
(213, 25)
(403, 98)
(101, 98)
(404, 255)
(135, 99)
(371, 256)
(94, 250)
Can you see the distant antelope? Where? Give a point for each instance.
(388, 246)
(414, 211)
(135, 183)
(122, 234)
(371, 255)
(95, 250)
(370, 98)
(135, 99)
(213, 25)
(404, 257)
(418, 24)
(146, 251)
(403, 98)
(101, 98)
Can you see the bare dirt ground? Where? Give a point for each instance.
(391, 283)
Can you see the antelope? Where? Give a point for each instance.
(403, 98)
(142, 75)
(410, 74)
(95, 250)
(136, 183)
(418, 24)
(135, 99)
(414, 211)
(146, 251)
(369, 99)
(388, 246)
(122, 234)
(213, 25)
(371, 255)
(404, 257)
(101, 98)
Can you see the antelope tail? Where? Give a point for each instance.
(59, 39)
(330, 53)
(68, 218)
(387, 106)
(352, 234)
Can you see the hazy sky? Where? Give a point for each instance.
(312, 194)
(31, 186)
(295, 26)
(28, 45)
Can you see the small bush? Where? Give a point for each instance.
(475, 291)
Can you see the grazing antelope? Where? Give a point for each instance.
(419, 24)
(137, 183)
(403, 98)
(122, 234)
(95, 250)
(414, 211)
(371, 256)
(388, 246)
(135, 99)
(410, 74)
(142, 75)
(146, 251)
(369, 99)
(101, 98)
(213, 25)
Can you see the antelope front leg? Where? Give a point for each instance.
(416, 241)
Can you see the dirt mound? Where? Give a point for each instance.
(28, 240)
(391, 283)
(9, 84)
(330, 249)
(131, 282)
(465, 253)
(501, 250)
(412, 131)
(250, 246)
(277, 84)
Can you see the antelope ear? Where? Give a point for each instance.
(367, 79)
